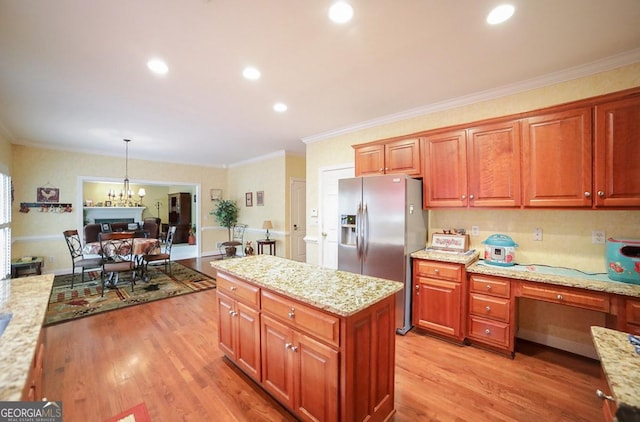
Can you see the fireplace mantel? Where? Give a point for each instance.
(91, 213)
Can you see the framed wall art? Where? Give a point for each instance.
(248, 199)
(48, 194)
(216, 194)
(260, 198)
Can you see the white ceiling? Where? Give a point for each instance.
(73, 73)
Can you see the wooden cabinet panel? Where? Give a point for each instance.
(494, 286)
(494, 333)
(325, 327)
(277, 361)
(369, 160)
(403, 156)
(441, 270)
(493, 160)
(437, 306)
(180, 215)
(390, 157)
(490, 307)
(617, 153)
(445, 170)
(33, 388)
(566, 296)
(556, 159)
(238, 289)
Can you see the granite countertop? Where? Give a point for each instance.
(27, 301)
(465, 258)
(339, 292)
(558, 276)
(621, 365)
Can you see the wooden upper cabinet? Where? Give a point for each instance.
(617, 153)
(445, 170)
(493, 162)
(556, 159)
(399, 156)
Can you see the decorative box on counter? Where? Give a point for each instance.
(450, 242)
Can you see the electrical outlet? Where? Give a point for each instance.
(537, 234)
(597, 237)
(475, 231)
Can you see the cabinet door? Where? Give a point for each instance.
(617, 153)
(316, 380)
(445, 170)
(437, 306)
(556, 159)
(493, 160)
(226, 331)
(247, 321)
(369, 160)
(403, 156)
(277, 361)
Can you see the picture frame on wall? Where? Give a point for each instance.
(48, 194)
(216, 194)
(260, 198)
(248, 199)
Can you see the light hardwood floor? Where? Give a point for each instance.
(165, 354)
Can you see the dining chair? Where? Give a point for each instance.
(77, 258)
(228, 249)
(118, 256)
(165, 255)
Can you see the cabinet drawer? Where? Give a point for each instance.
(487, 331)
(238, 289)
(633, 311)
(442, 270)
(493, 286)
(489, 307)
(323, 326)
(573, 297)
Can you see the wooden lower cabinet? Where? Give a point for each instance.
(321, 366)
(437, 298)
(32, 390)
(491, 313)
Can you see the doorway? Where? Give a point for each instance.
(329, 219)
(298, 220)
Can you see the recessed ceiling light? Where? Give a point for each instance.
(280, 107)
(158, 66)
(340, 12)
(251, 73)
(500, 14)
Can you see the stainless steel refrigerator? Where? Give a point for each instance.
(381, 224)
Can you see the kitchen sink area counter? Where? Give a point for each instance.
(621, 366)
(339, 292)
(27, 301)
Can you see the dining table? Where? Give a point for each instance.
(141, 246)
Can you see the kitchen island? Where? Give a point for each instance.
(320, 341)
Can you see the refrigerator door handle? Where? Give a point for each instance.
(359, 231)
(365, 230)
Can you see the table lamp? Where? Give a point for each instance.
(267, 225)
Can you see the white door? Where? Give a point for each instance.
(298, 220)
(328, 218)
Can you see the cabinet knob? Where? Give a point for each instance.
(287, 345)
(487, 331)
(471, 196)
(463, 197)
(386, 169)
(292, 313)
(231, 312)
(437, 271)
(601, 194)
(487, 308)
(603, 396)
(587, 194)
(234, 288)
(417, 287)
(489, 287)
(294, 348)
(559, 297)
(381, 170)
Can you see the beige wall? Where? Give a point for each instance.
(36, 233)
(567, 234)
(270, 175)
(5, 153)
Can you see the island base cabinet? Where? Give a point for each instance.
(239, 334)
(300, 372)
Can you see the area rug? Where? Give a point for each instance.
(137, 413)
(85, 299)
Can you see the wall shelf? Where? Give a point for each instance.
(46, 206)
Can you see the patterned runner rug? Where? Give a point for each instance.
(85, 298)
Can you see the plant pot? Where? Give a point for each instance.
(192, 240)
(230, 250)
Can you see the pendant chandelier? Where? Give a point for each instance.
(126, 194)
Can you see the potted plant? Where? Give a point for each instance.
(192, 235)
(227, 215)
